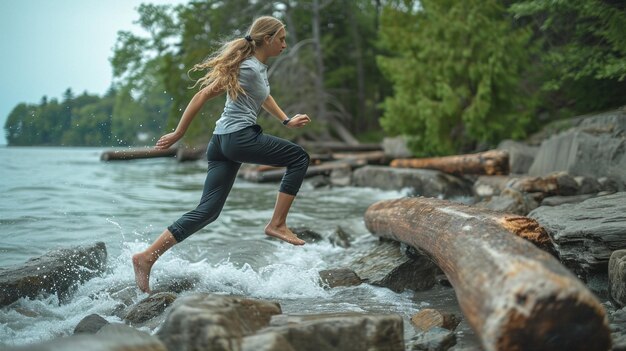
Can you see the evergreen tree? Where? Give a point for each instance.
(456, 71)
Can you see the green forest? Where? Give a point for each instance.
(449, 75)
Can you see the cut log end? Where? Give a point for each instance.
(555, 324)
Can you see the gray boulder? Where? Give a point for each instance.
(423, 182)
(510, 201)
(90, 324)
(596, 147)
(214, 322)
(331, 332)
(585, 234)
(58, 271)
(339, 277)
(149, 308)
(386, 265)
(521, 155)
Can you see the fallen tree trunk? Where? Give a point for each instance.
(515, 296)
(493, 162)
(132, 154)
(369, 156)
(333, 146)
(263, 174)
(185, 154)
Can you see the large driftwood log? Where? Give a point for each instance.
(515, 296)
(131, 154)
(493, 162)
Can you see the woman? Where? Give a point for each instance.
(238, 69)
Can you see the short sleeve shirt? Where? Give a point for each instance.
(243, 111)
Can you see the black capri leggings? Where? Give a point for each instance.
(226, 153)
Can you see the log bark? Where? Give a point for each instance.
(515, 296)
(132, 154)
(493, 162)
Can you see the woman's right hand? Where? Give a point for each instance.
(167, 140)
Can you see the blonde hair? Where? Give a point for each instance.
(223, 65)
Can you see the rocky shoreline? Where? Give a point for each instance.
(573, 184)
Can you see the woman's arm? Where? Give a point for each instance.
(190, 113)
(296, 121)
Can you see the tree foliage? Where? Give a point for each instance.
(583, 51)
(456, 68)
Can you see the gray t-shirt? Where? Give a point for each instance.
(243, 111)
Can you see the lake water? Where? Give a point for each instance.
(59, 197)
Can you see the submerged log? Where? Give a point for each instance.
(132, 154)
(493, 162)
(515, 296)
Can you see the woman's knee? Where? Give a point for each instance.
(303, 159)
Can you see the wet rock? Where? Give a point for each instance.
(562, 200)
(111, 337)
(339, 277)
(58, 271)
(340, 237)
(332, 332)
(587, 185)
(318, 181)
(435, 339)
(487, 186)
(386, 265)
(609, 185)
(585, 234)
(429, 318)
(617, 323)
(214, 322)
(150, 307)
(423, 182)
(617, 277)
(521, 155)
(510, 201)
(176, 284)
(90, 324)
(307, 234)
(341, 176)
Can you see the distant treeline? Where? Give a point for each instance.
(447, 74)
(115, 119)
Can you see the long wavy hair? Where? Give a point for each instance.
(223, 65)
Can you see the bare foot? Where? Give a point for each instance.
(142, 272)
(283, 233)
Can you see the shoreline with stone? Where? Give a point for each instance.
(572, 183)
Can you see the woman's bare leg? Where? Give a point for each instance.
(277, 227)
(143, 261)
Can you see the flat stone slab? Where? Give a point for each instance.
(585, 234)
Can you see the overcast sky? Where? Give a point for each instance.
(47, 46)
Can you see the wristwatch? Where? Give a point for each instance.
(285, 122)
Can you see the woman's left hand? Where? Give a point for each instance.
(298, 121)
